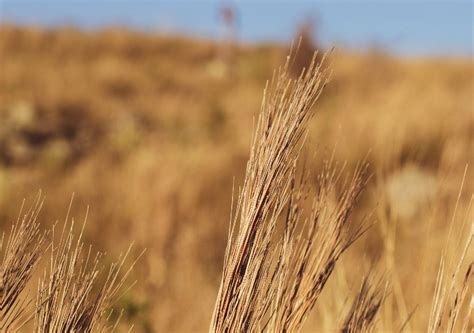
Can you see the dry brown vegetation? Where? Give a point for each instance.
(364, 309)
(151, 131)
(73, 295)
(22, 250)
(270, 282)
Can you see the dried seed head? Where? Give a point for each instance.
(272, 280)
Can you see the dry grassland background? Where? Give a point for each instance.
(152, 132)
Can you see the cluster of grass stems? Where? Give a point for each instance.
(76, 291)
(285, 239)
(279, 257)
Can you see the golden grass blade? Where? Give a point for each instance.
(21, 253)
(71, 296)
(450, 297)
(270, 280)
(364, 309)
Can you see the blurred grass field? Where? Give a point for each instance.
(152, 132)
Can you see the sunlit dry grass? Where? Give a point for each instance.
(72, 296)
(142, 128)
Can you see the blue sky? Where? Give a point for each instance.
(403, 27)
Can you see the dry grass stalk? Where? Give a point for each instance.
(450, 298)
(71, 297)
(364, 309)
(271, 282)
(21, 253)
(311, 248)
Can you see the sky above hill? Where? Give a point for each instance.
(404, 27)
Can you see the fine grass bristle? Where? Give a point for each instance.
(364, 309)
(271, 281)
(71, 295)
(451, 296)
(21, 253)
(75, 293)
(451, 309)
(310, 249)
